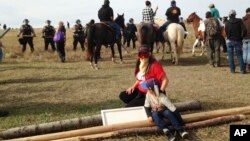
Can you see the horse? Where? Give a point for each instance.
(198, 24)
(174, 37)
(102, 34)
(147, 35)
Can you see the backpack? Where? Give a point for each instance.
(59, 36)
(212, 27)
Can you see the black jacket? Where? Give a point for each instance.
(235, 29)
(173, 14)
(105, 13)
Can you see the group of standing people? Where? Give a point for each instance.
(27, 34)
(237, 34)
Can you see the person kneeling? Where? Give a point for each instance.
(158, 106)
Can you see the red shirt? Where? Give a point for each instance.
(156, 71)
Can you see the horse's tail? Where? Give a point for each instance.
(144, 33)
(180, 39)
(90, 39)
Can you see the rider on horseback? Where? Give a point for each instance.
(172, 14)
(105, 14)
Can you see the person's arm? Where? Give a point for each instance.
(132, 88)
(244, 29)
(33, 32)
(164, 83)
(20, 31)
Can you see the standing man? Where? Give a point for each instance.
(27, 33)
(131, 32)
(48, 33)
(172, 14)
(212, 39)
(246, 40)
(235, 31)
(78, 35)
(106, 14)
(214, 11)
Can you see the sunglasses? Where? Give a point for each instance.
(143, 55)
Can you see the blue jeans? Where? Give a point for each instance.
(117, 29)
(162, 29)
(231, 47)
(159, 116)
(1, 55)
(246, 51)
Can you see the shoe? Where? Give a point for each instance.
(170, 136)
(3, 113)
(243, 72)
(183, 133)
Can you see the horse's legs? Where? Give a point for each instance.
(202, 48)
(97, 54)
(119, 46)
(194, 45)
(176, 54)
(112, 52)
(163, 50)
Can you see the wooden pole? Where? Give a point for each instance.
(138, 124)
(76, 123)
(1, 36)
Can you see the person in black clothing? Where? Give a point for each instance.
(106, 14)
(235, 31)
(78, 35)
(4, 27)
(48, 33)
(172, 14)
(27, 35)
(131, 32)
(60, 45)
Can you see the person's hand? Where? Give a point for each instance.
(130, 90)
(150, 120)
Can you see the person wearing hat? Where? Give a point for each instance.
(158, 106)
(235, 31)
(246, 39)
(27, 33)
(214, 11)
(212, 39)
(172, 15)
(48, 33)
(131, 32)
(78, 35)
(106, 15)
(146, 67)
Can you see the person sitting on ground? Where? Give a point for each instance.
(158, 106)
(146, 67)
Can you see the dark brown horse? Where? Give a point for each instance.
(147, 35)
(100, 34)
(197, 23)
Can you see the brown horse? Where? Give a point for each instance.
(197, 23)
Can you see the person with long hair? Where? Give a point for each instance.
(146, 67)
(60, 44)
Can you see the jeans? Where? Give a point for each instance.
(162, 29)
(231, 47)
(117, 29)
(1, 55)
(246, 51)
(171, 116)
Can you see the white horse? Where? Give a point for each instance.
(174, 37)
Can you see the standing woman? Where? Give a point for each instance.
(147, 67)
(60, 41)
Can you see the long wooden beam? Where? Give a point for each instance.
(139, 124)
(76, 123)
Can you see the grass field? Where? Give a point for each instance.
(37, 88)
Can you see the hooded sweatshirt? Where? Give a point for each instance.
(246, 21)
(235, 29)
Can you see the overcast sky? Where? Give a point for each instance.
(12, 12)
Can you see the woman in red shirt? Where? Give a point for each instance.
(146, 67)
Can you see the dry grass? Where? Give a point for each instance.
(37, 88)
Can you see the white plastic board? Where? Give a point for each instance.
(123, 115)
